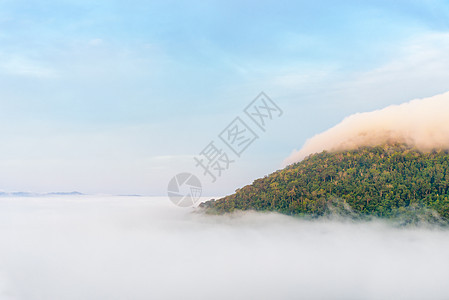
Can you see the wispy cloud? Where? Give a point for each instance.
(15, 65)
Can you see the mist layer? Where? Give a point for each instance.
(420, 123)
(146, 248)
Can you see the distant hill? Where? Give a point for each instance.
(30, 194)
(64, 194)
(378, 181)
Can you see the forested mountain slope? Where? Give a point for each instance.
(376, 181)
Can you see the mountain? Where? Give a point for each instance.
(381, 181)
(64, 194)
(31, 194)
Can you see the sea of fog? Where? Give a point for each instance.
(88, 247)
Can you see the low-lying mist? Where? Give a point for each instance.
(421, 123)
(146, 248)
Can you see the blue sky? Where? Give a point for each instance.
(118, 96)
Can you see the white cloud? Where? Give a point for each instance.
(422, 123)
(96, 42)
